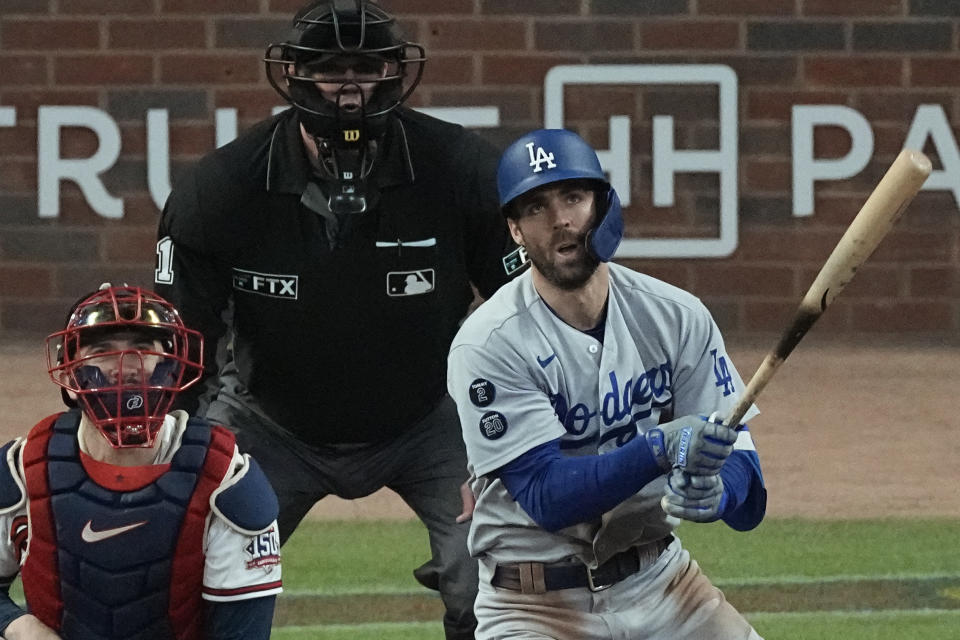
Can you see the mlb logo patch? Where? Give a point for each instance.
(410, 283)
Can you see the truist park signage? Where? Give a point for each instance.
(930, 126)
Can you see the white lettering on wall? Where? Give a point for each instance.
(930, 127)
(158, 155)
(807, 169)
(227, 127)
(8, 117)
(52, 168)
(668, 161)
(930, 123)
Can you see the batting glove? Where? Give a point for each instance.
(692, 443)
(694, 498)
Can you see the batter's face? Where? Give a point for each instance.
(551, 223)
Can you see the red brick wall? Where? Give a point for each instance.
(883, 58)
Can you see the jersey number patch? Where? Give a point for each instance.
(722, 373)
(164, 271)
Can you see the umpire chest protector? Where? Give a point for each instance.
(113, 564)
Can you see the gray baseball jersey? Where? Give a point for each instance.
(522, 377)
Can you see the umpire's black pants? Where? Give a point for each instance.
(425, 465)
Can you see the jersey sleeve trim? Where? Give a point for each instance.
(243, 593)
(13, 493)
(744, 439)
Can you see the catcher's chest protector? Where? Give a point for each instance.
(118, 564)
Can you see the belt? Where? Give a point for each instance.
(536, 577)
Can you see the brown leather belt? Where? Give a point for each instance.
(536, 577)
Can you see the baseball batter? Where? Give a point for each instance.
(584, 391)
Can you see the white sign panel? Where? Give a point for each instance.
(667, 160)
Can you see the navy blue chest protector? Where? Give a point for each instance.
(115, 552)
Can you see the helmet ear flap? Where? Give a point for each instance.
(605, 237)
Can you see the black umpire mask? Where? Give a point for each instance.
(343, 67)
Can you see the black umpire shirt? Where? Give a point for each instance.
(342, 343)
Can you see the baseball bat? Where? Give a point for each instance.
(879, 213)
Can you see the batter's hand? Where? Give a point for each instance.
(466, 496)
(692, 443)
(694, 498)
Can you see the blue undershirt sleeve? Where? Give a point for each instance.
(9, 610)
(744, 495)
(240, 619)
(558, 491)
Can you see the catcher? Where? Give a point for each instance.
(123, 520)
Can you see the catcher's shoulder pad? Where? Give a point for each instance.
(12, 491)
(246, 501)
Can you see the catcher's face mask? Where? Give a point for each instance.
(123, 358)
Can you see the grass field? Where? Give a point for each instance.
(794, 579)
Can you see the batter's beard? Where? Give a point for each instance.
(567, 277)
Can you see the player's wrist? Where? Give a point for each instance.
(658, 450)
(643, 463)
(725, 503)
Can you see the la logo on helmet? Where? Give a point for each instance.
(540, 157)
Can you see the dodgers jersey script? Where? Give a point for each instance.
(522, 377)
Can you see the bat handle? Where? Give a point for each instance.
(754, 387)
(736, 415)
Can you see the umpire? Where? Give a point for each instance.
(327, 255)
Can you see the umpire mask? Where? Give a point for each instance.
(343, 67)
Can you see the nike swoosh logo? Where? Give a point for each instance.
(543, 363)
(89, 535)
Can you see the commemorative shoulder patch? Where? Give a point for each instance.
(482, 392)
(493, 425)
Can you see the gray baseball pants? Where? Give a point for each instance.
(670, 600)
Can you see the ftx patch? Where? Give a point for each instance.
(266, 284)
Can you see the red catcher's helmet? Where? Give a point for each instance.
(128, 401)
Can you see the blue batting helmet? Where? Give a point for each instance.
(545, 156)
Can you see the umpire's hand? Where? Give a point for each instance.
(466, 496)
